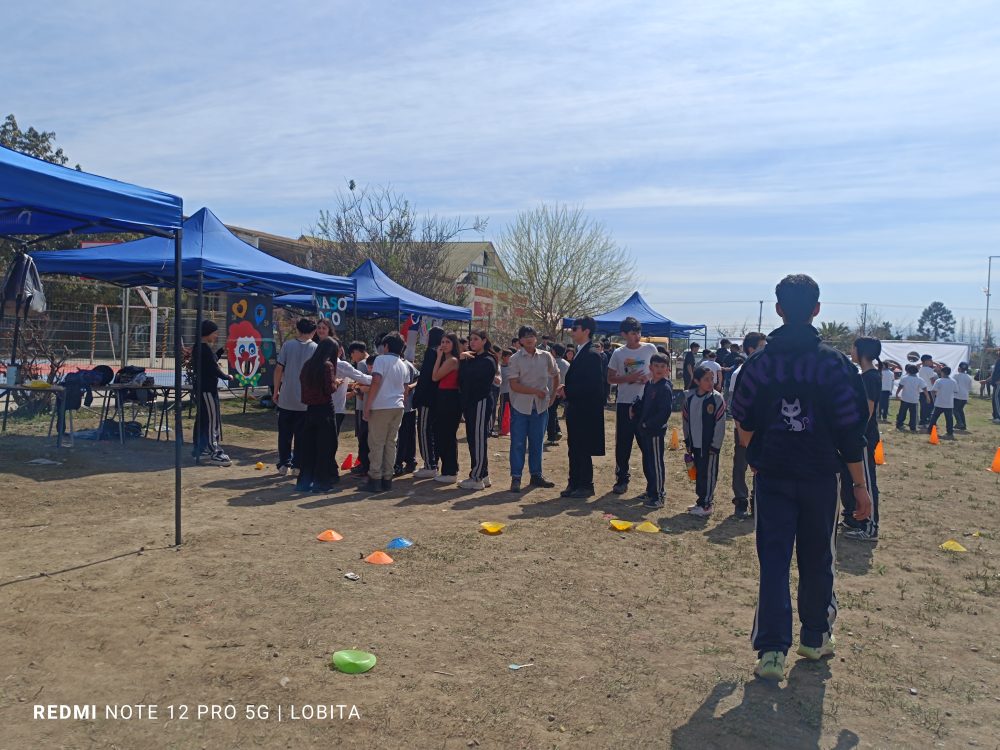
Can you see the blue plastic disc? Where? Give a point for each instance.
(400, 542)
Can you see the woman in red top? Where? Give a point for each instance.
(447, 410)
(318, 470)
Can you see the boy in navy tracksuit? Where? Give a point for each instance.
(649, 415)
(704, 416)
(802, 409)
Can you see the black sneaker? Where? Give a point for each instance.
(372, 485)
(537, 480)
(582, 492)
(653, 502)
(620, 488)
(515, 484)
(386, 485)
(568, 492)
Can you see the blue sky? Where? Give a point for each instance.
(725, 143)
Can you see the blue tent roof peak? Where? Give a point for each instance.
(653, 323)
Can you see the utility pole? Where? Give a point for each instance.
(986, 335)
(864, 318)
(760, 317)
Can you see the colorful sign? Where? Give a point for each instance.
(250, 339)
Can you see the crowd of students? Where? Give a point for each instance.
(805, 419)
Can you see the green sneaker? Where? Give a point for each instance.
(771, 666)
(815, 654)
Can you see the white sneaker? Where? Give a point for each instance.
(487, 481)
(446, 478)
(472, 484)
(692, 507)
(701, 512)
(428, 472)
(282, 470)
(220, 459)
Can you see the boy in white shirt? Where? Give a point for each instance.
(711, 362)
(927, 373)
(911, 391)
(963, 385)
(391, 374)
(944, 389)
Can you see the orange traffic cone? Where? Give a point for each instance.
(675, 441)
(329, 536)
(995, 466)
(934, 436)
(378, 558)
(879, 454)
(348, 463)
(505, 420)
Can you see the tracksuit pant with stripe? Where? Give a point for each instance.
(706, 462)
(624, 436)
(652, 446)
(847, 493)
(425, 437)
(477, 433)
(800, 513)
(208, 425)
(406, 446)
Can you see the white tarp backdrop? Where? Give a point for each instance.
(904, 352)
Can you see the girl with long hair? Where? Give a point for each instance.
(423, 402)
(447, 411)
(318, 468)
(476, 373)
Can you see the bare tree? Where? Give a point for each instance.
(562, 263)
(377, 222)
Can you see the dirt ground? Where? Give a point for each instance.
(636, 640)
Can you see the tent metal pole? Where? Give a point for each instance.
(178, 396)
(125, 323)
(13, 358)
(196, 360)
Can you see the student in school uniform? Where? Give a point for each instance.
(888, 381)
(629, 371)
(406, 444)
(447, 412)
(504, 400)
(476, 371)
(963, 386)
(423, 401)
(943, 391)
(348, 372)
(865, 352)
(650, 413)
(711, 363)
(208, 418)
(288, 391)
(912, 391)
(704, 418)
(801, 407)
(690, 362)
(743, 495)
(928, 373)
(318, 381)
(391, 375)
(558, 351)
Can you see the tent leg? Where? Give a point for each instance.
(126, 298)
(196, 360)
(178, 396)
(13, 360)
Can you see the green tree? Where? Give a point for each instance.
(837, 335)
(37, 143)
(936, 322)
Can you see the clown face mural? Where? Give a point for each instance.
(246, 355)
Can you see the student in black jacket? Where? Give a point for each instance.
(801, 408)
(476, 373)
(583, 393)
(208, 418)
(423, 403)
(650, 414)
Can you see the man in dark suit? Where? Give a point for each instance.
(583, 392)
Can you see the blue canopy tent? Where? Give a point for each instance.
(39, 200)
(212, 259)
(653, 323)
(381, 297)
